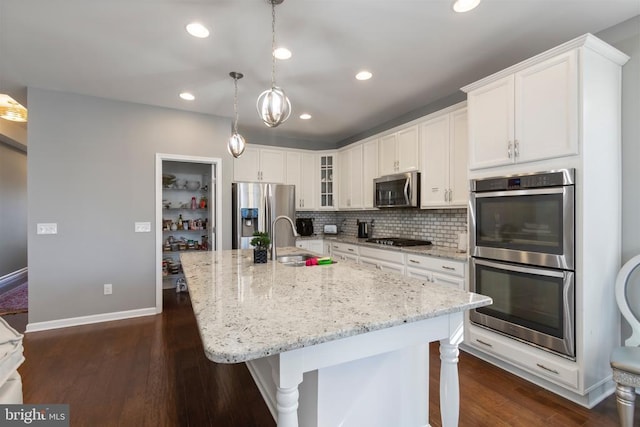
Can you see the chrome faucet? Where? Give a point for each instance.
(274, 255)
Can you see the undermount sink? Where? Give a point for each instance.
(295, 260)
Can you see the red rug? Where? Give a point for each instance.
(14, 301)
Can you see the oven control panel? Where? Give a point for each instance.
(557, 178)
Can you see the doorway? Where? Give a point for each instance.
(188, 200)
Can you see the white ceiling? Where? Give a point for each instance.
(418, 50)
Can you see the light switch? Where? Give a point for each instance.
(143, 227)
(47, 228)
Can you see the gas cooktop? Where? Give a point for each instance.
(398, 241)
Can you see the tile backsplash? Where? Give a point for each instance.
(440, 226)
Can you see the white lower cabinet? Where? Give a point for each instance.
(384, 260)
(541, 363)
(314, 245)
(344, 251)
(437, 270)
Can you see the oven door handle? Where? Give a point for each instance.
(526, 192)
(520, 269)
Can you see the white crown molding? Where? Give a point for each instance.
(587, 40)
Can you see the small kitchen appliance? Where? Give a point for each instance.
(304, 226)
(330, 229)
(363, 229)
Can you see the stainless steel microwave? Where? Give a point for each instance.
(397, 191)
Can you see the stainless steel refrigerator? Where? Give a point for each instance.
(254, 208)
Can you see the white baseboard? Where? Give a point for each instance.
(86, 320)
(13, 278)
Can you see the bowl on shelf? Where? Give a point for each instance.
(168, 180)
(180, 183)
(192, 185)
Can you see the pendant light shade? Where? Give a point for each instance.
(274, 108)
(236, 143)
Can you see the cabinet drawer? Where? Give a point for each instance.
(381, 254)
(538, 362)
(344, 247)
(453, 268)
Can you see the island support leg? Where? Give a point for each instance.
(287, 376)
(449, 384)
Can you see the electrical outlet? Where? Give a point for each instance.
(108, 289)
(47, 228)
(142, 227)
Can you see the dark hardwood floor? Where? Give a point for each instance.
(152, 371)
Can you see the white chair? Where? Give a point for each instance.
(625, 361)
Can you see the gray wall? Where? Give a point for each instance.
(91, 170)
(13, 209)
(626, 37)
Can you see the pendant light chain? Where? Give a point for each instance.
(273, 43)
(235, 104)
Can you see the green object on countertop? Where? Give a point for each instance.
(325, 260)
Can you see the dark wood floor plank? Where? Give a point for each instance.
(152, 371)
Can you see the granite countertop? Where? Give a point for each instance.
(430, 250)
(247, 311)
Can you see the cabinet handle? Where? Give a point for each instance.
(350, 249)
(414, 261)
(484, 343)
(509, 150)
(553, 371)
(448, 268)
(516, 149)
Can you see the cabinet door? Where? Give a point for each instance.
(344, 186)
(247, 166)
(458, 158)
(272, 165)
(419, 273)
(435, 171)
(293, 174)
(355, 168)
(491, 122)
(316, 246)
(326, 181)
(369, 171)
(309, 181)
(387, 155)
(408, 149)
(546, 109)
(445, 279)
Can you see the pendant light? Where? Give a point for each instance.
(273, 105)
(236, 141)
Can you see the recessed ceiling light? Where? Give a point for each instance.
(305, 116)
(282, 53)
(465, 5)
(364, 75)
(196, 29)
(187, 96)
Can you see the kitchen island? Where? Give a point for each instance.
(358, 337)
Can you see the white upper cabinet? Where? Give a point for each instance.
(444, 151)
(260, 164)
(309, 182)
(546, 104)
(398, 152)
(369, 171)
(525, 116)
(350, 178)
(303, 172)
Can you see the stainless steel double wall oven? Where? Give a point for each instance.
(522, 246)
